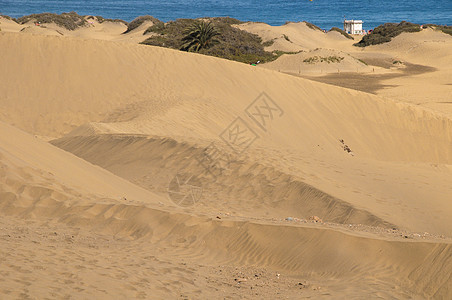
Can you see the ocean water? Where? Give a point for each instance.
(323, 13)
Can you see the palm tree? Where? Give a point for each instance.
(198, 36)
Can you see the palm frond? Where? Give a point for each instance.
(199, 36)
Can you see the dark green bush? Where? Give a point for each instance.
(8, 18)
(70, 21)
(342, 32)
(233, 43)
(236, 44)
(362, 61)
(268, 43)
(447, 29)
(199, 36)
(156, 28)
(328, 59)
(384, 33)
(443, 28)
(425, 26)
(140, 20)
(312, 26)
(171, 33)
(102, 20)
(227, 20)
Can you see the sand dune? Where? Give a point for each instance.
(139, 97)
(430, 49)
(9, 25)
(23, 152)
(376, 171)
(319, 61)
(33, 187)
(206, 97)
(246, 192)
(295, 36)
(257, 185)
(432, 90)
(107, 30)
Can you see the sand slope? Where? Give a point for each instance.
(192, 99)
(432, 90)
(153, 85)
(153, 249)
(292, 37)
(145, 113)
(107, 30)
(428, 85)
(318, 61)
(21, 151)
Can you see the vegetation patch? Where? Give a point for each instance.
(320, 59)
(201, 35)
(447, 29)
(443, 28)
(278, 53)
(362, 61)
(342, 32)
(170, 34)
(8, 18)
(137, 22)
(268, 43)
(286, 38)
(312, 26)
(102, 20)
(384, 33)
(156, 28)
(70, 21)
(232, 43)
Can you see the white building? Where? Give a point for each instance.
(353, 26)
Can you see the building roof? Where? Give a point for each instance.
(353, 21)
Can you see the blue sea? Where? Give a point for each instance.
(323, 13)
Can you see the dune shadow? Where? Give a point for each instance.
(367, 82)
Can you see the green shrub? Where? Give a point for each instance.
(233, 43)
(227, 20)
(328, 59)
(362, 61)
(447, 29)
(443, 28)
(312, 26)
(102, 20)
(236, 44)
(268, 43)
(70, 21)
(278, 53)
(8, 18)
(425, 26)
(342, 32)
(287, 38)
(137, 22)
(384, 33)
(171, 33)
(156, 28)
(200, 35)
